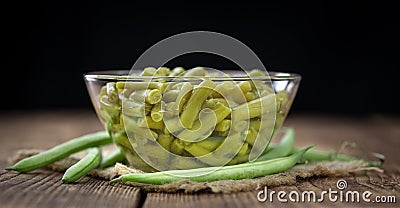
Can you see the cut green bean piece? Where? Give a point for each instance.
(165, 141)
(171, 95)
(83, 166)
(197, 71)
(62, 151)
(112, 92)
(184, 95)
(210, 118)
(177, 71)
(251, 136)
(256, 73)
(250, 96)
(253, 108)
(255, 124)
(162, 71)
(197, 150)
(240, 126)
(226, 151)
(244, 149)
(131, 108)
(245, 86)
(142, 85)
(148, 71)
(233, 172)
(211, 143)
(177, 147)
(150, 96)
(156, 113)
(193, 106)
(133, 127)
(223, 125)
(148, 122)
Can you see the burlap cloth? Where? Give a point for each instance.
(289, 177)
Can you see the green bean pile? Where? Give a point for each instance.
(189, 114)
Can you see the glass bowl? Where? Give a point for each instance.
(182, 122)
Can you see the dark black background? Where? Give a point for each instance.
(348, 54)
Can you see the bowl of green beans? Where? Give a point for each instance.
(170, 119)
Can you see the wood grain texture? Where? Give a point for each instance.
(43, 188)
(379, 185)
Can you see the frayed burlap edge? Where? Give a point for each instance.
(289, 177)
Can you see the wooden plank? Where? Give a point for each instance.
(44, 189)
(206, 200)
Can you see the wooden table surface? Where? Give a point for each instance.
(41, 188)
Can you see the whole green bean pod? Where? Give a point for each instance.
(83, 166)
(316, 156)
(112, 158)
(62, 151)
(233, 172)
(284, 148)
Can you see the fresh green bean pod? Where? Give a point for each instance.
(83, 166)
(112, 158)
(316, 156)
(62, 151)
(284, 148)
(233, 172)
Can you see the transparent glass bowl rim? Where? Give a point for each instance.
(122, 75)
